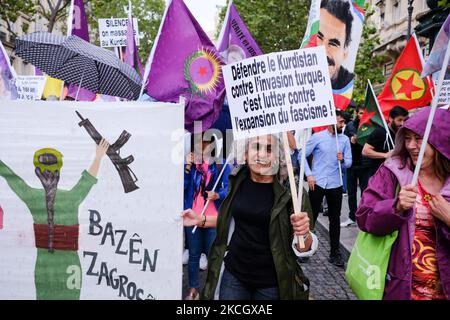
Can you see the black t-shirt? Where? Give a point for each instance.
(377, 140)
(249, 256)
(351, 130)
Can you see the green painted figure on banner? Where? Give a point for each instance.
(57, 272)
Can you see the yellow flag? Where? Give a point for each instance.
(52, 87)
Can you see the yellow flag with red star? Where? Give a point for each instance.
(405, 87)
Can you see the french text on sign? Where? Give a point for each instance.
(279, 92)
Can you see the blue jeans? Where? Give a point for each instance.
(232, 289)
(344, 179)
(198, 242)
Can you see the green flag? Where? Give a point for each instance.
(371, 117)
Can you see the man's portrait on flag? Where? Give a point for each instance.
(7, 89)
(336, 30)
(234, 53)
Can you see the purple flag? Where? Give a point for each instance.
(80, 29)
(235, 40)
(7, 88)
(184, 62)
(436, 57)
(132, 57)
(38, 72)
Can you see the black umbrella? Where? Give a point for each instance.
(78, 62)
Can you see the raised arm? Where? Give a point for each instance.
(100, 151)
(16, 183)
(89, 178)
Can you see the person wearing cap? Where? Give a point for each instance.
(55, 220)
(419, 265)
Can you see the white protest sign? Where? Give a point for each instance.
(30, 87)
(117, 232)
(279, 92)
(113, 32)
(444, 95)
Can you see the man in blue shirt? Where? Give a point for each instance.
(325, 180)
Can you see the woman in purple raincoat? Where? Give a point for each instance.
(419, 265)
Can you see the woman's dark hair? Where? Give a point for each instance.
(441, 165)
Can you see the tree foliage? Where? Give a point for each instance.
(10, 11)
(276, 25)
(148, 12)
(53, 11)
(444, 3)
(368, 65)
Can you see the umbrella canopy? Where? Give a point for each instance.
(76, 61)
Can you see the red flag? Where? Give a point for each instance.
(405, 87)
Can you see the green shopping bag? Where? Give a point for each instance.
(368, 263)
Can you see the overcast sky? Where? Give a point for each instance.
(204, 11)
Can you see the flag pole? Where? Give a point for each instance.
(69, 33)
(148, 65)
(225, 20)
(294, 194)
(434, 104)
(381, 113)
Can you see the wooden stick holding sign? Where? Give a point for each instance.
(290, 170)
(303, 139)
(434, 104)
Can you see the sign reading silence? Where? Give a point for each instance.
(113, 32)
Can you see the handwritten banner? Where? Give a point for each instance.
(79, 225)
(30, 87)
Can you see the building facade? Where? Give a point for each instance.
(391, 17)
(24, 24)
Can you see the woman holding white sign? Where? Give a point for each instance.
(254, 256)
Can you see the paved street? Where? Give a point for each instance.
(327, 281)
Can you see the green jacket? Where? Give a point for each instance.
(289, 273)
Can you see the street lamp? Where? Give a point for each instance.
(410, 11)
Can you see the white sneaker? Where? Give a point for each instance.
(185, 256)
(348, 223)
(203, 262)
